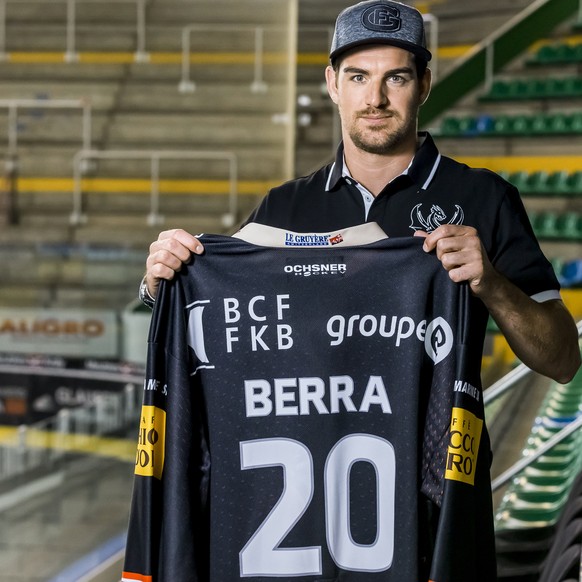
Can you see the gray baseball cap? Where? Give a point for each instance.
(380, 22)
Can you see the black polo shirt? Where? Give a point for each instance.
(435, 190)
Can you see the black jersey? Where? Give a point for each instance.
(299, 405)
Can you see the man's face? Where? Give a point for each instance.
(378, 95)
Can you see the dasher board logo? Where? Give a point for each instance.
(293, 239)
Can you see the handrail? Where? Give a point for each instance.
(525, 462)
(433, 38)
(495, 51)
(433, 42)
(46, 442)
(71, 55)
(14, 104)
(501, 387)
(155, 156)
(508, 381)
(258, 85)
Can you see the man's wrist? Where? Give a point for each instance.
(145, 295)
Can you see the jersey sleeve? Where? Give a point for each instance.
(464, 543)
(517, 253)
(167, 534)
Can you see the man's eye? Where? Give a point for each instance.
(358, 78)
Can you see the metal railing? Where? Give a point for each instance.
(525, 462)
(43, 445)
(535, 21)
(13, 105)
(258, 85)
(78, 216)
(71, 54)
(257, 33)
(503, 385)
(497, 390)
(430, 20)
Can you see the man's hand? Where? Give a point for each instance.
(167, 255)
(461, 253)
(542, 335)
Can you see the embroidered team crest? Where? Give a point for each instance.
(437, 217)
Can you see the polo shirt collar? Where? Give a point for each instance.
(421, 171)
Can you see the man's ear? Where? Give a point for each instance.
(331, 81)
(425, 86)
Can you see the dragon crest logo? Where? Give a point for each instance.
(437, 217)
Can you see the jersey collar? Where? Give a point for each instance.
(421, 170)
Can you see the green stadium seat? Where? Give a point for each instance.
(569, 226)
(557, 53)
(557, 183)
(576, 123)
(458, 126)
(545, 225)
(500, 90)
(565, 53)
(520, 125)
(574, 183)
(519, 180)
(535, 183)
(546, 54)
(523, 89)
(513, 125)
(560, 123)
(542, 124)
(501, 125)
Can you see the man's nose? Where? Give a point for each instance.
(377, 95)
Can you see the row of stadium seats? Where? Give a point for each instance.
(554, 54)
(527, 519)
(562, 184)
(538, 494)
(549, 88)
(540, 124)
(553, 225)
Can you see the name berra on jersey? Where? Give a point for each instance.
(262, 323)
(299, 396)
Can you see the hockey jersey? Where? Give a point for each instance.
(304, 394)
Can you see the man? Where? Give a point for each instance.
(386, 172)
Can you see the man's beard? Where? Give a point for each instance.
(381, 140)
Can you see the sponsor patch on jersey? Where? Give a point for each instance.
(321, 269)
(438, 340)
(149, 459)
(463, 448)
(293, 239)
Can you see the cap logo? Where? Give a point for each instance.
(382, 18)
